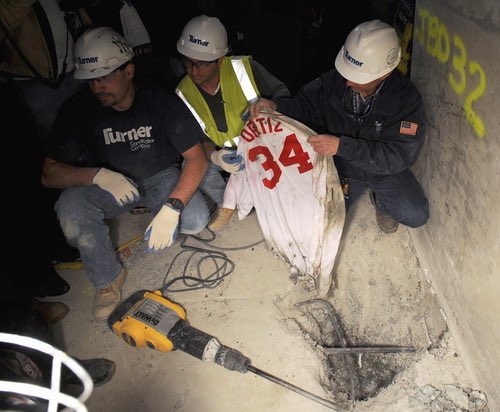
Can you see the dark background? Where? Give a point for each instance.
(295, 40)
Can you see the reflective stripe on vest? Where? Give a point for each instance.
(233, 142)
(244, 80)
(191, 108)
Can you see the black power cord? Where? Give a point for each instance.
(197, 259)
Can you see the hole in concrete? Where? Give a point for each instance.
(359, 377)
(358, 369)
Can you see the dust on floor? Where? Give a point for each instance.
(381, 298)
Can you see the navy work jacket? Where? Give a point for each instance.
(386, 141)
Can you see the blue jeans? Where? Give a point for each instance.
(82, 212)
(399, 196)
(213, 184)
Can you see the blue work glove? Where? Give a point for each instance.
(163, 229)
(228, 159)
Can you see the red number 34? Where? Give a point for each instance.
(291, 154)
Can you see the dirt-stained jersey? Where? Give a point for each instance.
(296, 194)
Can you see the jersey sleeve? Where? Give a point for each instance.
(238, 195)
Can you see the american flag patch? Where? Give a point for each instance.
(408, 128)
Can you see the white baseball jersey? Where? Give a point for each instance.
(296, 194)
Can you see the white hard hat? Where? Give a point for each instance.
(370, 51)
(203, 38)
(99, 51)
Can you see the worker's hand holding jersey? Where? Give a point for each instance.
(228, 159)
(122, 188)
(162, 230)
(324, 144)
(261, 104)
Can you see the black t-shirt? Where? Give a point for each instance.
(138, 142)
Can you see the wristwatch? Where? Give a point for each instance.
(175, 204)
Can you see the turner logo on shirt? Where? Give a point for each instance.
(111, 136)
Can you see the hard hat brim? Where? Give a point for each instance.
(82, 74)
(353, 75)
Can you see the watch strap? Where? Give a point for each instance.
(175, 204)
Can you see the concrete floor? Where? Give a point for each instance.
(380, 294)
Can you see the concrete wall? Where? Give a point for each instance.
(456, 65)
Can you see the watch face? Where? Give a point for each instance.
(176, 204)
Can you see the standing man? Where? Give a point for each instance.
(218, 89)
(371, 119)
(115, 145)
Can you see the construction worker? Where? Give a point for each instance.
(114, 145)
(372, 121)
(217, 89)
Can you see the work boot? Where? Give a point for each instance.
(101, 370)
(107, 299)
(50, 283)
(221, 218)
(385, 222)
(18, 367)
(22, 319)
(51, 312)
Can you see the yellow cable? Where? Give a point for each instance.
(78, 264)
(129, 243)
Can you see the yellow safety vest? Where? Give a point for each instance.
(238, 88)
